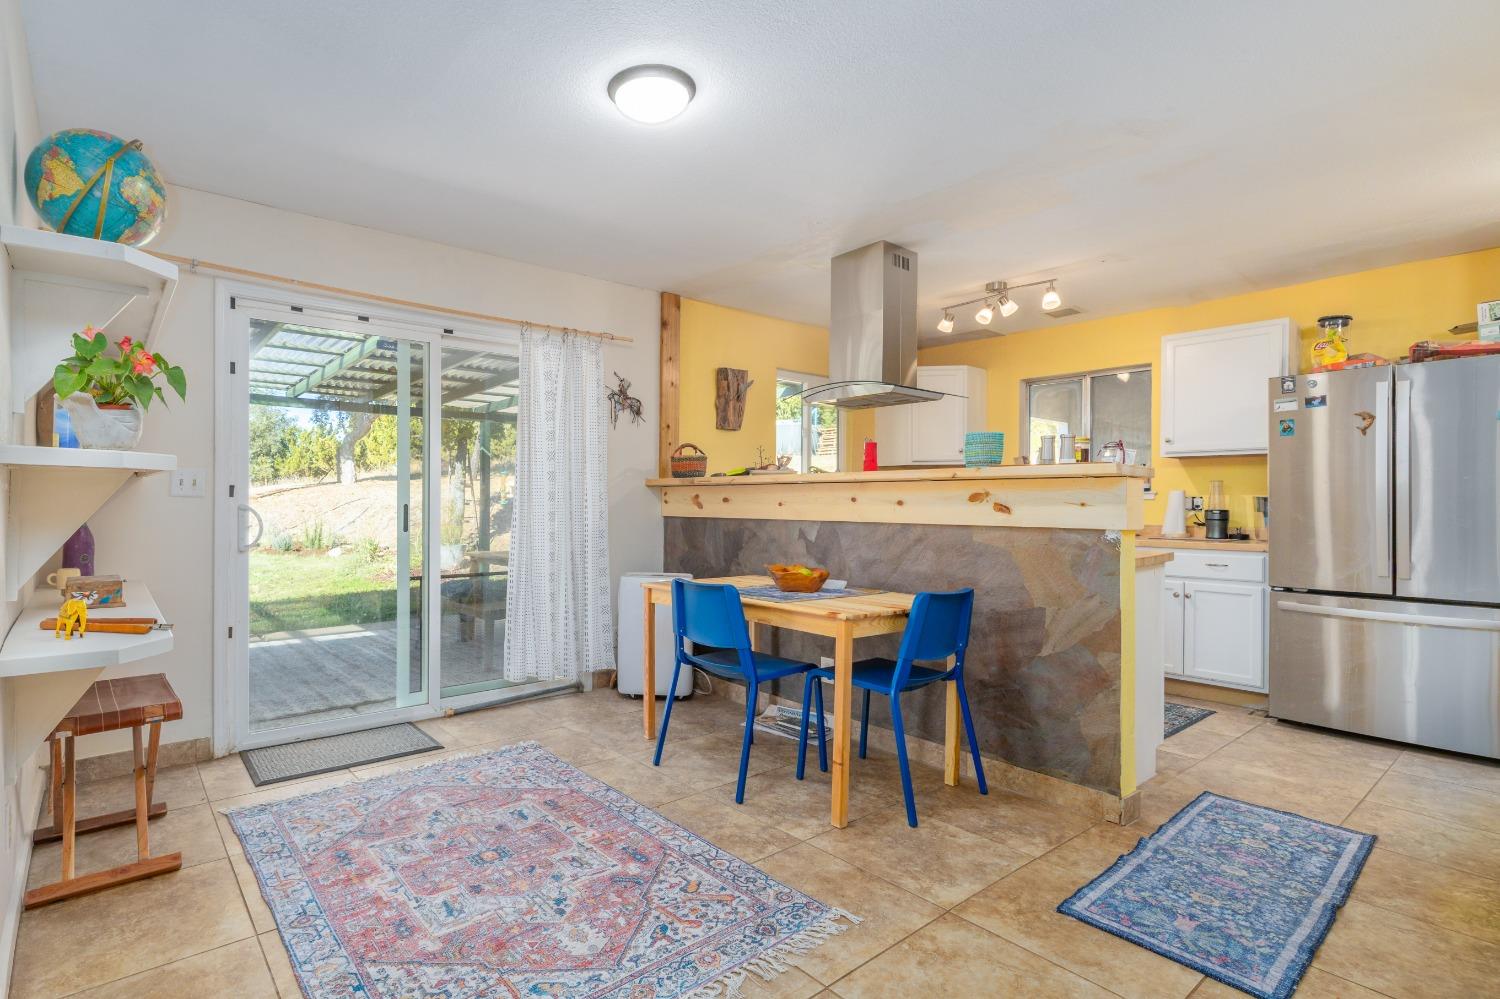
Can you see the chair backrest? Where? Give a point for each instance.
(937, 628)
(709, 614)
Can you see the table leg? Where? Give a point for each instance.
(843, 712)
(56, 782)
(69, 809)
(648, 669)
(142, 802)
(952, 742)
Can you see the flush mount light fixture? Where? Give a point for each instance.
(997, 298)
(1124, 376)
(652, 94)
(1052, 299)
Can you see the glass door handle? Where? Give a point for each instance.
(260, 528)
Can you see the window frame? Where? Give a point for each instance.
(1086, 398)
(807, 381)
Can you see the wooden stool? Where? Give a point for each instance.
(130, 702)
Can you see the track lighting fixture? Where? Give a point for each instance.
(997, 298)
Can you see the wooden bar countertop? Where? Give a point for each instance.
(938, 473)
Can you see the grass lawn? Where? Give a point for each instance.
(290, 591)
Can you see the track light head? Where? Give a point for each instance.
(945, 324)
(1008, 306)
(1051, 299)
(984, 315)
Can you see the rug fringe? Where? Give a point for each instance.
(775, 961)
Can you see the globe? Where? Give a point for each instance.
(85, 182)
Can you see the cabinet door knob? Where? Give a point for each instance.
(1176, 594)
(1169, 440)
(1187, 596)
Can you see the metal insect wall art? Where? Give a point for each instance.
(621, 401)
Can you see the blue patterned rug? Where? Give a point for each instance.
(1242, 893)
(1181, 716)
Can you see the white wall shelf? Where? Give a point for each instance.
(54, 491)
(45, 675)
(59, 284)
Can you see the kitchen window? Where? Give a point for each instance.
(810, 431)
(1104, 406)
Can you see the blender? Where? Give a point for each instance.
(1216, 513)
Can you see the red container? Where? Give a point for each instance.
(871, 465)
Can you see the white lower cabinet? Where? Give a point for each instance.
(1214, 629)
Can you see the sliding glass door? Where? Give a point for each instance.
(332, 523)
(371, 474)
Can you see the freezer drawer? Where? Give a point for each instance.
(1427, 674)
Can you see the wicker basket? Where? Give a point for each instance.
(689, 466)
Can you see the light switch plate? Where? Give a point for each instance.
(189, 482)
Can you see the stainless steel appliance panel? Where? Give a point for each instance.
(1330, 474)
(1447, 503)
(1427, 674)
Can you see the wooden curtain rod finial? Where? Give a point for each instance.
(194, 264)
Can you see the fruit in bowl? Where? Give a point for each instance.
(797, 578)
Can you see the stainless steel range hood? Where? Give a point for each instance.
(872, 330)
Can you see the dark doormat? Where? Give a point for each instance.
(273, 764)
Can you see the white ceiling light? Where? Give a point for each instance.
(1124, 376)
(651, 94)
(945, 324)
(984, 315)
(1052, 299)
(1008, 306)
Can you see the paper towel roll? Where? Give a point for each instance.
(1175, 521)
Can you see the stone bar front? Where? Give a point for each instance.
(1048, 551)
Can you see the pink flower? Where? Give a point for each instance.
(125, 345)
(144, 364)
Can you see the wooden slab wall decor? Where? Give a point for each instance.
(731, 385)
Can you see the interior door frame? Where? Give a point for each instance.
(233, 300)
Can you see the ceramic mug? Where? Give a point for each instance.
(62, 578)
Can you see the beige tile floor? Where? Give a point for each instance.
(962, 906)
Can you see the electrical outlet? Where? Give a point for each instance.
(1195, 502)
(189, 482)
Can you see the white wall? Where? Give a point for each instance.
(18, 133)
(146, 534)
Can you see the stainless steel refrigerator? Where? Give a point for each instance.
(1385, 552)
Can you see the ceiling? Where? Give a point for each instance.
(1146, 154)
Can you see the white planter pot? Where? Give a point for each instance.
(450, 556)
(116, 429)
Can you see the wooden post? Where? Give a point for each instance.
(671, 345)
(142, 796)
(69, 809)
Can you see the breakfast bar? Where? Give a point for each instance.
(1049, 551)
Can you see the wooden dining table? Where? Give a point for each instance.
(844, 619)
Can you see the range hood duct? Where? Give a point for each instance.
(872, 330)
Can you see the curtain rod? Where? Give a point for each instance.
(195, 265)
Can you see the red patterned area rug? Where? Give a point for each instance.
(514, 874)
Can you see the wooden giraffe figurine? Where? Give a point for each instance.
(74, 614)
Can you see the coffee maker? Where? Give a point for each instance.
(1216, 513)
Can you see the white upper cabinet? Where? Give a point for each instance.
(932, 433)
(1214, 394)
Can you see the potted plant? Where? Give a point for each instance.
(106, 392)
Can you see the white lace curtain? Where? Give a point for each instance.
(558, 617)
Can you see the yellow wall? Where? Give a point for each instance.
(716, 337)
(1392, 308)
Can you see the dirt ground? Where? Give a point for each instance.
(365, 510)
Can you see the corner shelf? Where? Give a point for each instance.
(59, 284)
(54, 491)
(44, 675)
(28, 649)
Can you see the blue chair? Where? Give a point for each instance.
(937, 628)
(710, 614)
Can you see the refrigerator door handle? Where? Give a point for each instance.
(1391, 617)
(1403, 478)
(1383, 478)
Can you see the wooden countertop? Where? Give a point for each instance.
(1200, 544)
(1149, 560)
(941, 473)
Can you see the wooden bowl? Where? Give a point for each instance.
(790, 580)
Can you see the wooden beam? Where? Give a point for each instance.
(338, 364)
(671, 347)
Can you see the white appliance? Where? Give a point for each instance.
(630, 678)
